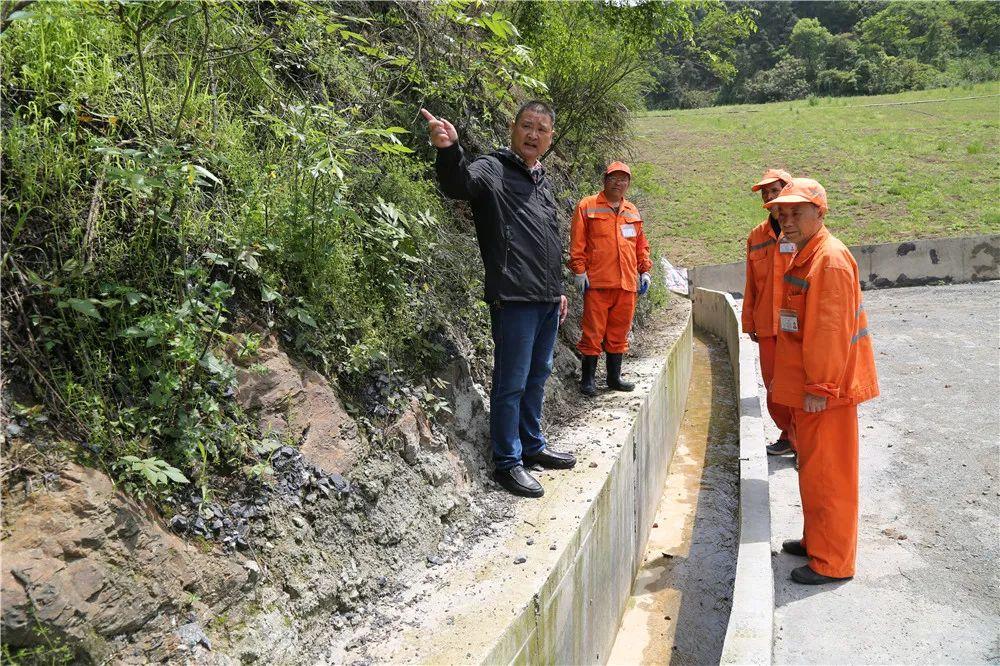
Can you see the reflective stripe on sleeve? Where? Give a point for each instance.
(860, 334)
(598, 209)
(798, 282)
(769, 241)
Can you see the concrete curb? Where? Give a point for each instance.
(749, 636)
(909, 264)
(585, 541)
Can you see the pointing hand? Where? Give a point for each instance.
(443, 134)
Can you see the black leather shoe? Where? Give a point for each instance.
(807, 576)
(794, 547)
(615, 374)
(518, 481)
(588, 370)
(551, 459)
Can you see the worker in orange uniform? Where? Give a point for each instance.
(609, 255)
(768, 255)
(824, 367)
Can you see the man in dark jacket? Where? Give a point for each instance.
(515, 216)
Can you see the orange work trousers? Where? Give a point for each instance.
(780, 414)
(607, 318)
(827, 447)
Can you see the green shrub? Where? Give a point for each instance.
(837, 82)
(785, 81)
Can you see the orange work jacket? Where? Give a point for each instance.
(766, 265)
(830, 354)
(612, 248)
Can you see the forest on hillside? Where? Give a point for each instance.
(751, 52)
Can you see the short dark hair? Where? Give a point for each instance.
(536, 106)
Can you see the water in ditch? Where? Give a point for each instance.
(682, 595)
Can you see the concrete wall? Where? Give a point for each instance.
(909, 264)
(751, 622)
(576, 613)
(581, 543)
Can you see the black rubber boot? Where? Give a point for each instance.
(804, 575)
(587, 385)
(615, 374)
(794, 547)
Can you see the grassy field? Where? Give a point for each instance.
(892, 172)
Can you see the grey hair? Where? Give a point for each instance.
(536, 106)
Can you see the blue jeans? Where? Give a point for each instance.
(524, 337)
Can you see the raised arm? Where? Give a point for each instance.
(459, 178)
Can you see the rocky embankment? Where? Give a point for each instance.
(259, 569)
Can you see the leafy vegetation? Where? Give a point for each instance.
(182, 179)
(772, 51)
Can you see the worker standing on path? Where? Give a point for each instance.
(514, 211)
(824, 368)
(609, 255)
(768, 255)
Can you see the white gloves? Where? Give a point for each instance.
(644, 281)
(581, 281)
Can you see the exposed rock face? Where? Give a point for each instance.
(104, 575)
(93, 565)
(302, 404)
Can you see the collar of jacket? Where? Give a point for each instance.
(806, 253)
(770, 229)
(623, 204)
(516, 159)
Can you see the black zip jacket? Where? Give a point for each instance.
(515, 223)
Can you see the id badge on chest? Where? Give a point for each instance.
(789, 321)
(628, 230)
(786, 247)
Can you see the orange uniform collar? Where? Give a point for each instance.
(622, 205)
(806, 253)
(770, 229)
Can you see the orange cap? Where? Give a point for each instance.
(801, 190)
(770, 176)
(617, 166)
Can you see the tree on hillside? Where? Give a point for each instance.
(689, 72)
(786, 80)
(595, 60)
(809, 41)
(846, 46)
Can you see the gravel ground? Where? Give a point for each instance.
(927, 585)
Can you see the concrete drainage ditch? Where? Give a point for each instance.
(554, 586)
(682, 595)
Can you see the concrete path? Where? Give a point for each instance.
(926, 591)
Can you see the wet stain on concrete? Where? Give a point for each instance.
(991, 269)
(905, 248)
(876, 282)
(990, 249)
(934, 256)
(682, 595)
